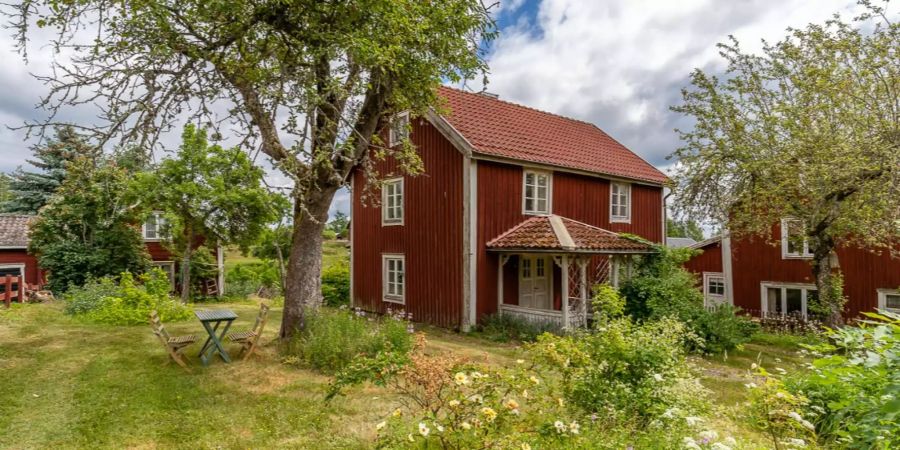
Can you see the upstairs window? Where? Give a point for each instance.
(399, 129)
(536, 192)
(794, 243)
(392, 202)
(619, 202)
(154, 228)
(394, 273)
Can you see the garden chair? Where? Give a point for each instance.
(175, 345)
(249, 338)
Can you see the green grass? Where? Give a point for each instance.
(71, 384)
(332, 251)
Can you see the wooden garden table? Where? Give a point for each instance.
(211, 320)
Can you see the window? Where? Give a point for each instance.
(793, 243)
(889, 300)
(15, 270)
(399, 129)
(394, 269)
(154, 228)
(392, 202)
(787, 299)
(713, 286)
(619, 202)
(536, 192)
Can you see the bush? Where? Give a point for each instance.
(853, 390)
(507, 328)
(329, 235)
(126, 302)
(661, 287)
(260, 279)
(336, 284)
(626, 371)
(334, 338)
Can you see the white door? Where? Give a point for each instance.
(534, 282)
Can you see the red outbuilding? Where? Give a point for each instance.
(776, 277)
(518, 212)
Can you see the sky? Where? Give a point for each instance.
(619, 64)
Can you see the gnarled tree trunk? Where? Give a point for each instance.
(304, 271)
(823, 272)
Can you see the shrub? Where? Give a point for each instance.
(336, 284)
(126, 302)
(853, 389)
(507, 327)
(662, 287)
(626, 371)
(260, 279)
(777, 412)
(329, 235)
(334, 338)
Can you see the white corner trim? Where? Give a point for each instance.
(726, 267)
(561, 232)
(473, 239)
(220, 266)
(452, 134)
(469, 230)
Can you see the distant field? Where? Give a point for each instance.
(332, 252)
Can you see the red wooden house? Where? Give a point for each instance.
(776, 278)
(16, 261)
(519, 211)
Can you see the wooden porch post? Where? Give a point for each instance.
(500, 263)
(564, 266)
(582, 269)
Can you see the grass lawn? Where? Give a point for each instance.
(72, 384)
(332, 251)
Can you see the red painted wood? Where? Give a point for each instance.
(32, 272)
(430, 239)
(577, 197)
(710, 260)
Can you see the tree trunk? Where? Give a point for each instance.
(304, 272)
(823, 273)
(280, 255)
(186, 266)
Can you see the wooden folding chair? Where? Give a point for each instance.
(249, 338)
(175, 345)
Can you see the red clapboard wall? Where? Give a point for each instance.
(430, 238)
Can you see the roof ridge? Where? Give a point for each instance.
(519, 105)
(590, 226)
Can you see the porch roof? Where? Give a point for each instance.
(557, 234)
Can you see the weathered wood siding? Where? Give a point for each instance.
(577, 197)
(430, 238)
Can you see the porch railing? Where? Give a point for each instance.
(549, 317)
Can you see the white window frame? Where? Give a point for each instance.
(170, 271)
(395, 137)
(549, 199)
(710, 298)
(882, 299)
(785, 238)
(160, 219)
(618, 218)
(392, 298)
(804, 290)
(385, 221)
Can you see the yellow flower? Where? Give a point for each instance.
(560, 401)
(461, 378)
(526, 446)
(453, 403)
(525, 393)
(381, 425)
(410, 437)
(521, 361)
(489, 413)
(512, 404)
(535, 380)
(397, 413)
(465, 425)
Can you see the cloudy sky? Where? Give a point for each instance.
(617, 63)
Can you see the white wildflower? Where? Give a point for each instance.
(750, 385)
(657, 377)
(574, 428)
(423, 429)
(693, 421)
(381, 425)
(708, 435)
(560, 426)
(719, 446)
(794, 442)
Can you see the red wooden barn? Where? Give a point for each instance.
(15, 259)
(518, 212)
(776, 278)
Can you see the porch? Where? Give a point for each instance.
(547, 265)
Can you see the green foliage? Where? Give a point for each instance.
(777, 412)
(126, 302)
(332, 339)
(661, 287)
(271, 238)
(5, 195)
(853, 389)
(607, 302)
(87, 228)
(626, 371)
(339, 223)
(686, 228)
(511, 328)
(253, 279)
(336, 284)
(807, 129)
(29, 191)
(329, 235)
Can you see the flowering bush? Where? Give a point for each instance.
(126, 302)
(333, 338)
(626, 371)
(778, 412)
(853, 388)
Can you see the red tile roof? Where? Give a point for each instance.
(499, 128)
(567, 235)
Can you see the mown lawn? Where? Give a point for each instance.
(332, 251)
(69, 384)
